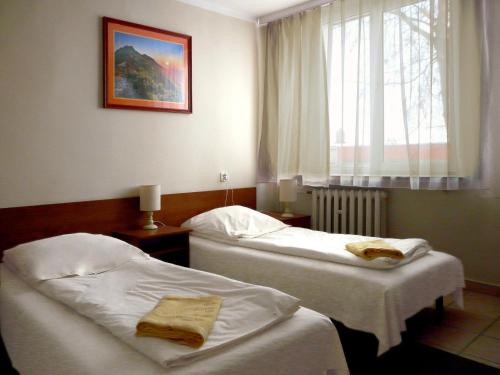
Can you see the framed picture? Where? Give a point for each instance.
(146, 68)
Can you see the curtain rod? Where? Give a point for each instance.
(290, 11)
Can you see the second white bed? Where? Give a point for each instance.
(370, 300)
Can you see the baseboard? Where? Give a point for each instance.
(480, 287)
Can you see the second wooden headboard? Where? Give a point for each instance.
(23, 224)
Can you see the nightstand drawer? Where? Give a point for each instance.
(177, 256)
(153, 245)
(169, 244)
(302, 221)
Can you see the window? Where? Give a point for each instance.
(373, 93)
(389, 88)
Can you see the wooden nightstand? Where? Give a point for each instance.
(298, 220)
(170, 244)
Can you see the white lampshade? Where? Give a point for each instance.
(150, 197)
(288, 190)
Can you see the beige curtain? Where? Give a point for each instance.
(489, 15)
(294, 129)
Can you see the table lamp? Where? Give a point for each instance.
(288, 193)
(150, 196)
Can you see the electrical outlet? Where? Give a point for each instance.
(223, 177)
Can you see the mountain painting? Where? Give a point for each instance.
(146, 68)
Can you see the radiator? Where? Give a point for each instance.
(349, 211)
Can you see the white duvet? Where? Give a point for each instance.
(117, 299)
(329, 247)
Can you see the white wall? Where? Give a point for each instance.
(461, 223)
(57, 143)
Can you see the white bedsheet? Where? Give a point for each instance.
(329, 247)
(43, 336)
(371, 300)
(119, 298)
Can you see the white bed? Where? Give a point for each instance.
(377, 301)
(45, 336)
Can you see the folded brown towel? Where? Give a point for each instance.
(372, 249)
(184, 320)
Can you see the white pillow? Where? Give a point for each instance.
(233, 222)
(69, 255)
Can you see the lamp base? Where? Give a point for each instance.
(287, 212)
(150, 225)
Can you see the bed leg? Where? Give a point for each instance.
(439, 309)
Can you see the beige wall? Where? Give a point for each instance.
(57, 143)
(461, 223)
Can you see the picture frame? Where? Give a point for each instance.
(146, 68)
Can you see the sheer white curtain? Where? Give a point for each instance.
(403, 85)
(294, 133)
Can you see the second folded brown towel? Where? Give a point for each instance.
(372, 249)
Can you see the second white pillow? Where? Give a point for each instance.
(233, 222)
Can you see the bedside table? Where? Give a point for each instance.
(298, 220)
(170, 244)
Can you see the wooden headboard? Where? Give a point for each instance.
(23, 224)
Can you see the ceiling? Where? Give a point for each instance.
(245, 9)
